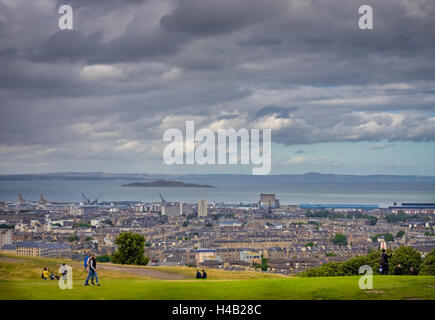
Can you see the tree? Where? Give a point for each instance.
(407, 257)
(309, 244)
(103, 258)
(339, 239)
(428, 265)
(130, 250)
(264, 264)
(346, 268)
(388, 237)
(73, 238)
(81, 225)
(400, 234)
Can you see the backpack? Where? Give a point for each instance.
(85, 262)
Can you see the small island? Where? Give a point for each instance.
(164, 183)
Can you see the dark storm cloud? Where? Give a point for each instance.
(131, 69)
(213, 17)
(75, 46)
(100, 4)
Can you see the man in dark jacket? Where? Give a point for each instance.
(384, 262)
(198, 274)
(398, 271)
(204, 274)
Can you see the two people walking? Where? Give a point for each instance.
(91, 266)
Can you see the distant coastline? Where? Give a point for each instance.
(166, 183)
(241, 179)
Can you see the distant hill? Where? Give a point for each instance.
(215, 179)
(165, 183)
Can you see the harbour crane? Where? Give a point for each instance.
(163, 200)
(96, 199)
(85, 199)
(88, 201)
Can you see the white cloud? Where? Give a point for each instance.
(172, 74)
(99, 72)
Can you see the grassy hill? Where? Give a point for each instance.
(20, 279)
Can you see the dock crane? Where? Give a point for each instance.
(163, 200)
(88, 200)
(96, 199)
(85, 199)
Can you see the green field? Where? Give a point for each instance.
(19, 279)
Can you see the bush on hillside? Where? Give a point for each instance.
(408, 257)
(428, 265)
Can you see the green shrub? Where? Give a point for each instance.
(428, 265)
(407, 257)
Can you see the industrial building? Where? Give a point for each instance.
(343, 207)
(268, 201)
(172, 209)
(414, 208)
(202, 208)
(5, 237)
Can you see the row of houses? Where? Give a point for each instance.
(37, 249)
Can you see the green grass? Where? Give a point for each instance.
(20, 280)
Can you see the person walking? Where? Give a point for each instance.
(85, 263)
(92, 265)
(384, 262)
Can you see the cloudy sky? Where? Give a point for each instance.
(99, 97)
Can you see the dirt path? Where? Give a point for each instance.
(157, 274)
(12, 260)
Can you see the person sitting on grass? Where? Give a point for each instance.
(45, 274)
(398, 271)
(52, 276)
(198, 274)
(413, 271)
(204, 274)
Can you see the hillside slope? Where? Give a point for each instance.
(20, 279)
